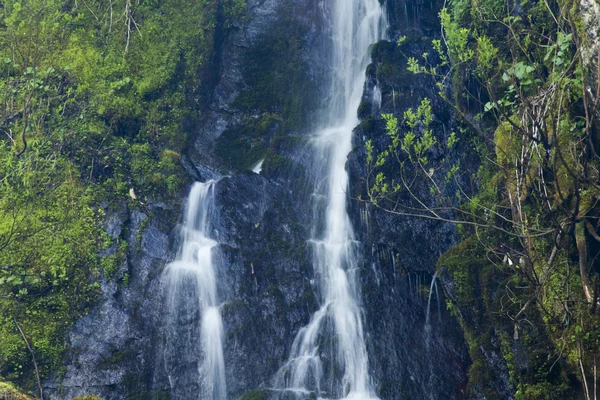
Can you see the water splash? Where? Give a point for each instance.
(191, 290)
(329, 356)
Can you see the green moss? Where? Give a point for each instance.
(109, 265)
(143, 227)
(465, 264)
(116, 358)
(243, 145)
(154, 395)
(277, 75)
(368, 125)
(255, 395)
(9, 392)
(111, 111)
(388, 73)
(364, 109)
(277, 163)
(480, 308)
(47, 282)
(279, 98)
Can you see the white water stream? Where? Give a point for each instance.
(194, 267)
(356, 25)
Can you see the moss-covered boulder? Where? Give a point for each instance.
(8, 391)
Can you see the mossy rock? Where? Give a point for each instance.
(277, 164)
(368, 125)
(278, 100)
(508, 144)
(255, 395)
(160, 395)
(116, 358)
(364, 110)
(389, 73)
(382, 49)
(241, 146)
(465, 264)
(9, 392)
(277, 75)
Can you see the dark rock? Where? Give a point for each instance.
(263, 222)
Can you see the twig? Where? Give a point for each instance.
(37, 371)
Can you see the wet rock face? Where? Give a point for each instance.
(111, 350)
(264, 270)
(266, 274)
(263, 221)
(409, 357)
(268, 67)
(590, 13)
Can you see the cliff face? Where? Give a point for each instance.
(410, 358)
(269, 83)
(590, 13)
(117, 351)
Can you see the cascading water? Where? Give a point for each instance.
(337, 325)
(428, 313)
(428, 334)
(192, 295)
(376, 101)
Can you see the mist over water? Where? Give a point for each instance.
(329, 356)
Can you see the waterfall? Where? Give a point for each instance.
(192, 295)
(428, 313)
(437, 296)
(428, 328)
(376, 100)
(337, 326)
(257, 168)
(428, 334)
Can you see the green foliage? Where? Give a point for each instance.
(50, 237)
(110, 99)
(410, 143)
(487, 55)
(479, 304)
(10, 392)
(233, 10)
(457, 39)
(517, 76)
(95, 99)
